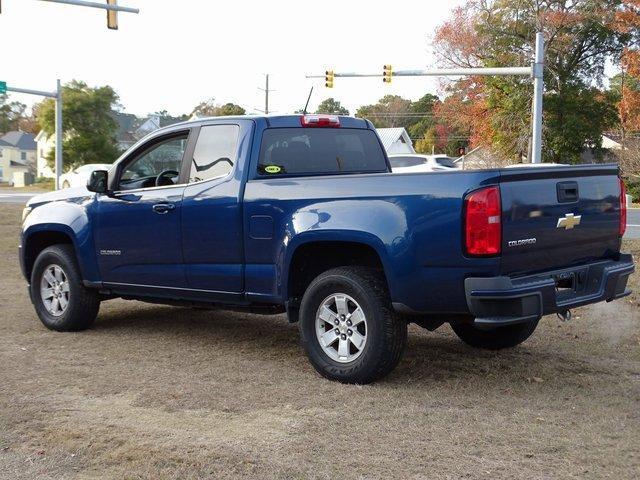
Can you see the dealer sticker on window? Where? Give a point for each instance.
(272, 169)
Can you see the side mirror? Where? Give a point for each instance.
(98, 181)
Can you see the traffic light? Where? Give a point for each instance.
(112, 16)
(328, 79)
(462, 151)
(387, 72)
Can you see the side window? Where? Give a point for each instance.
(165, 157)
(215, 152)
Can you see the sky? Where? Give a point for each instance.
(177, 53)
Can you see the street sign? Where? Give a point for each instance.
(3, 87)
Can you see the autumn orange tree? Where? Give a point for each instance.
(580, 35)
(627, 84)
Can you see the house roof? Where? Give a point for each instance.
(615, 140)
(129, 125)
(390, 135)
(21, 140)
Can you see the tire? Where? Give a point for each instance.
(58, 263)
(383, 331)
(497, 338)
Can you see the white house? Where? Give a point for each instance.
(45, 145)
(17, 154)
(395, 140)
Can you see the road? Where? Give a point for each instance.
(633, 223)
(7, 196)
(633, 215)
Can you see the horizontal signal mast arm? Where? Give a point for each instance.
(525, 71)
(103, 6)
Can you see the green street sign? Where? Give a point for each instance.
(3, 87)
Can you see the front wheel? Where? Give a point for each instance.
(61, 301)
(348, 328)
(496, 338)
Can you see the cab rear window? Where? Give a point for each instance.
(317, 151)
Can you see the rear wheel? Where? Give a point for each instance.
(348, 329)
(496, 338)
(61, 301)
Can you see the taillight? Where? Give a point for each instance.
(483, 226)
(331, 121)
(623, 208)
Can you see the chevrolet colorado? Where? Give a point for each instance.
(301, 214)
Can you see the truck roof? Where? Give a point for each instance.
(279, 121)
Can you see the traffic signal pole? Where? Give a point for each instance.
(111, 6)
(57, 95)
(82, 3)
(535, 71)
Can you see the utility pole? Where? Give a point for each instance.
(536, 110)
(57, 95)
(58, 133)
(266, 91)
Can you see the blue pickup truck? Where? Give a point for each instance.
(300, 214)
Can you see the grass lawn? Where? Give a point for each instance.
(161, 392)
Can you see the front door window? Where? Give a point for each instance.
(158, 166)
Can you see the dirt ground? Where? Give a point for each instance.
(163, 392)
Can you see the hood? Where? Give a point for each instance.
(74, 195)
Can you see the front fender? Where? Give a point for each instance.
(71, 218)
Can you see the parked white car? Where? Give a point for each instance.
(79, 176)
(408, 163)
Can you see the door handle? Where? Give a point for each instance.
(163, 208)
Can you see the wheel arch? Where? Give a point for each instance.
(314, 252)
(35, 240)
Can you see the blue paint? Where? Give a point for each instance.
(232, 239)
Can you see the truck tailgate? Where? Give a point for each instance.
(558, 216)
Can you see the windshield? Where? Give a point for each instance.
(445, 162)
(399, 162)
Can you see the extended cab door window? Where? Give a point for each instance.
(157, 166)
(215, 152)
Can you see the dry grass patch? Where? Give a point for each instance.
(162, 392)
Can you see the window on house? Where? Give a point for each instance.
(23, 155)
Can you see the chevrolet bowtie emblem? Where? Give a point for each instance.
(569, 221)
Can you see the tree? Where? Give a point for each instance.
(11, 113)
(579, 39)
(89, 131)
(331, 106)
(422, 117)
(209, 108)
(390, 111)
(626, 86)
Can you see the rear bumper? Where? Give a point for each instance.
(496, 301)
